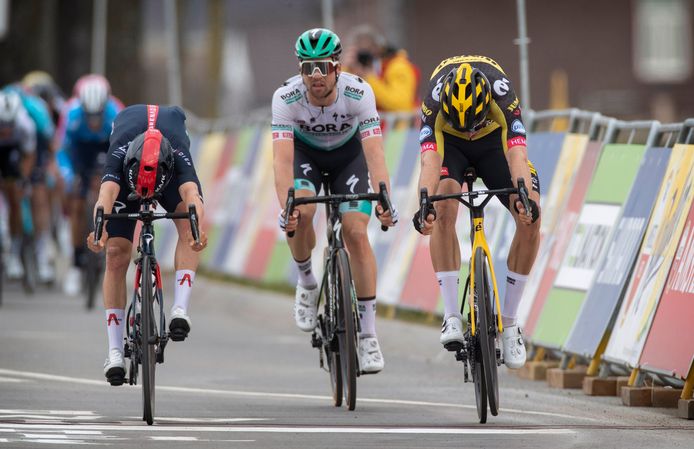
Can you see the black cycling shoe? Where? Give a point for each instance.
(178, 329)
(115, 376)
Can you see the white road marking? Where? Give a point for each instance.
(174, 438)
(204, 420)
(11, 380)
(300, 429)
(48, 412)
(83, 432)
(4, 440)
(45, 435)
(70, 442)
(215, 392)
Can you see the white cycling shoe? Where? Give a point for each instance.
(73, 281)
(514, 347)
(14, 269)
(305, 308)
(370, 356)
(114, 367)
(451, 331)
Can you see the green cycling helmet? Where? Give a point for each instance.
(318, 43)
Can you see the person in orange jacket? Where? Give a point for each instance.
(392, 76)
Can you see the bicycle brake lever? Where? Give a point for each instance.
(98, 224)
(384, 200)
(523, 195)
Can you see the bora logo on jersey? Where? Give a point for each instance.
(354, 93)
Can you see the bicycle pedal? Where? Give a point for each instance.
(453, 346)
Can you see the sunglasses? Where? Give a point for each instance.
(324, 67)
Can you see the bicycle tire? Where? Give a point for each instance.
(486, 331)
(335, 368)
(347, 336)
(479, 381)
(147, 341)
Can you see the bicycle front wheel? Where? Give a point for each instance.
(347, 328)
(148, 340)
(486, 329)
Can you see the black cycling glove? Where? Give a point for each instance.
(534, 210)
(415, 220)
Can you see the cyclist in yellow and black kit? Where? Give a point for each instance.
(471, 118)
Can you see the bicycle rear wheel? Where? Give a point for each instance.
(486, 330)
(347, 328)
(479, 380)
(148, 341)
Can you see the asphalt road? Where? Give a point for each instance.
(247, 378)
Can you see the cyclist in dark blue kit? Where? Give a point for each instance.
(148, 157)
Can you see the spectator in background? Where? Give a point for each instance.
(392, 76)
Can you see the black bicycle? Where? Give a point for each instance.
(337, 332)
(480, 351)
(146, 334)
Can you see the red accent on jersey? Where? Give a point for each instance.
(275, 135)
(518, 140)
(112, 317)
(444, 171)
(428, 146)
(152, 113)
(186, 277)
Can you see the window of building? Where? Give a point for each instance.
(662, 40)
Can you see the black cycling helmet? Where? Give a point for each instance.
(465, 97)
(148, 164)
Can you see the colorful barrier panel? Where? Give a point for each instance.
(608, 190)
(547, 264)
(602, 301)
(655, 258)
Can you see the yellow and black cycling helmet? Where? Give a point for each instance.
(465, 98)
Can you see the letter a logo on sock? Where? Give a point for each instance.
(112, 317)
(186, 277)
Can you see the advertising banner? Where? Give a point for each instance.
(654, 260)
(613, 270)
(548, 262)
(608, 190)
(670, 343)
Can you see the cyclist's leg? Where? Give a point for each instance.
(354, 178)
(118, 250)
(10, 171)
(41, 212)
(444, 245)
(493, 169)
(185, 262)
(82, 161)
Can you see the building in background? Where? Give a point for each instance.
(632, 59)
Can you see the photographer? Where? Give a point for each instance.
(388, 70)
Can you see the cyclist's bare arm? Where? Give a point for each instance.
(191, 195)
(108, 192)
(517, 157)
(376, 163)
(283, 166)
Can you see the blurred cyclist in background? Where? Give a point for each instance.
(85, 127)
(40, 206)
(41, 84)
(17, 156)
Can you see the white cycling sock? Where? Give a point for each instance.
(184, 284)
(448, 283)
(115, 326)
(367, 316)
(306, 277)
(515, 284)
